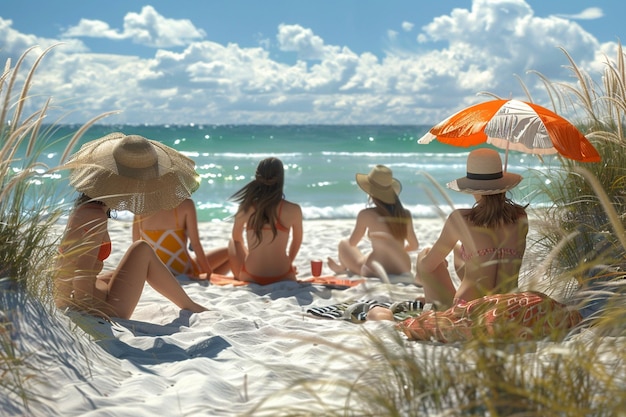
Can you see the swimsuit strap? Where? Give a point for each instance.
(500, 253)
(176, 217)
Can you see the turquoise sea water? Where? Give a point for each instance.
(320, 162)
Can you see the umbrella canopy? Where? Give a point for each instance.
(132, 173)
(517, 125)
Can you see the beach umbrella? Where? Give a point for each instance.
(130, 172)
(514, 125)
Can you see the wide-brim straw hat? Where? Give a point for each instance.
(380, 184)
(130, 172)
(485, 175)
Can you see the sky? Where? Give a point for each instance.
(300, 62)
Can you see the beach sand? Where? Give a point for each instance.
(254, 343)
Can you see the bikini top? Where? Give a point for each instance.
(105, 247)
(500, 253)
(105, 251)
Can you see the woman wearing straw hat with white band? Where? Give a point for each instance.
(488, 240)
(126, 173)
(388, 225)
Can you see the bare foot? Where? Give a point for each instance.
(197, 308)
(201, 277)
(418, 280)
(335, 267)
(380, 313)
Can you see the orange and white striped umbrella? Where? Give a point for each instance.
(515, 125)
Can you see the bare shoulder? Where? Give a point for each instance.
(458, 216)
(187, 205)
(367, 213)
(288, 205)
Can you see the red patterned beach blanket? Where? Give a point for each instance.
(509, 317)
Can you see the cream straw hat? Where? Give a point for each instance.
(485, 175)
(380, 184)
(132, 173)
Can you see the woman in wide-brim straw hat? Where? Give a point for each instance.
(133, 173)
(388, 225)
(119, 172)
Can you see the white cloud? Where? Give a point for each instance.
(295, 38)
(147, 28)
(93, 29)
(208, 82)
(589, 13)
(407, 26)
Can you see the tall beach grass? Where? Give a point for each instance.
(29, 212)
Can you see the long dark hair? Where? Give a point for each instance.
(395, 216)
(264, 194)
(85, 199)
(495, 210)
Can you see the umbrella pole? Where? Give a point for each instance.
(506, 156)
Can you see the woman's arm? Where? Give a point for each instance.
(136, 220)
(86, 236)
(360, 228)
(188, 209)
(430, 259)
(297, 233)
(412, 244)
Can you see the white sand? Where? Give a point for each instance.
(254, 342)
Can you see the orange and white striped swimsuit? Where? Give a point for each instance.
(170, 246)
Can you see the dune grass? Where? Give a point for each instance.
(29, 212)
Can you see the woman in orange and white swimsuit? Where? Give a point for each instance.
(266, 255)
(170, 232)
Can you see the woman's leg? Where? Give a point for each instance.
(380, 313)
(219, 260)
(140, 264)
(350, 257)
(236, 257)
(437, 284)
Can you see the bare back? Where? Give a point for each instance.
(491, 257)
(388, 251)
(273, 256)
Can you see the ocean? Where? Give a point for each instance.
(320, 164)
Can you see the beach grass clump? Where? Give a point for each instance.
(29, 216)
(582, 375)
(577, 211)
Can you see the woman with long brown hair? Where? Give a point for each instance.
(266, 254)
(388, 225)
